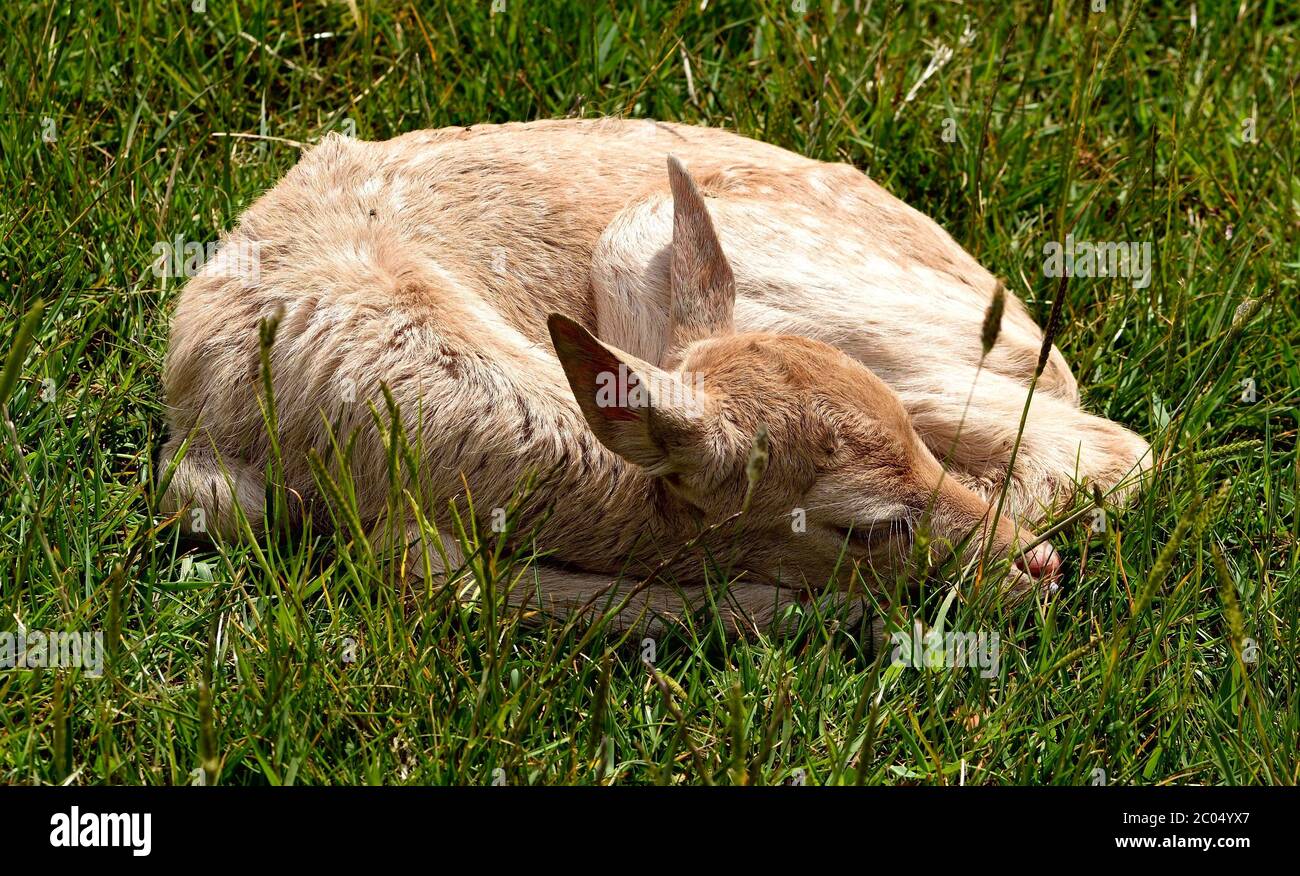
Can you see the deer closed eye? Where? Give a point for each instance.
(871, 535)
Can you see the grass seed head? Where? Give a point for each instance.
(993, 318)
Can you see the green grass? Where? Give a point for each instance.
(1156, 666)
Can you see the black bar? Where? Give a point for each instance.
(331, 826)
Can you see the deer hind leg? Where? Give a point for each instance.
(1062, 448)
(210, 491)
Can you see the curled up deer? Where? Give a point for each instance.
(635, 314)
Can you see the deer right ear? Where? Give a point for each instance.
(703, 287)
(642, 413)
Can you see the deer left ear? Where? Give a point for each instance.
(644, 414)
(703, 287)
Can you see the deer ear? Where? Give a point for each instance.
(703, 288)
(644, 414)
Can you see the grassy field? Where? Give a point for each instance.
(1171, 657)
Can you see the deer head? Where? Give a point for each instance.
(849, 481)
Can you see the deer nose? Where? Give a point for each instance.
(1042, 562)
